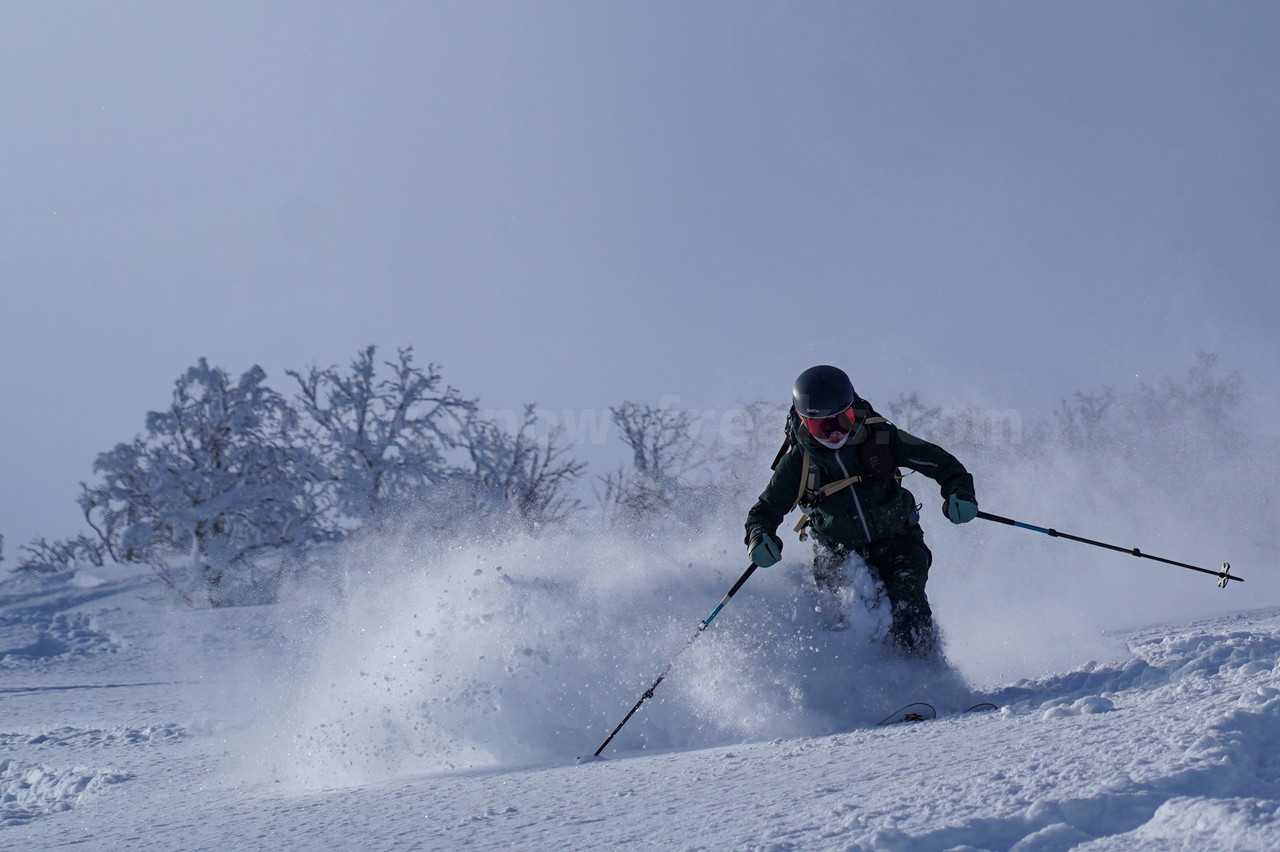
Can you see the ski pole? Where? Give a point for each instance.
(648, 693)
(1223, 576)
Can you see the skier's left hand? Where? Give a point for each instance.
(959, 510)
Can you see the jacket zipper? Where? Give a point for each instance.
(856, 502)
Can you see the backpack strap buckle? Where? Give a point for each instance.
(802, 526)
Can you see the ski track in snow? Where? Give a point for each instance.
(28, 791)
(41, 637)
(111, 738)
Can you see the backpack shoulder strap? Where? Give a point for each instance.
(788, 441)
(808, 483)
(808, 480)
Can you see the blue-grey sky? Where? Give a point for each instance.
(577, 203)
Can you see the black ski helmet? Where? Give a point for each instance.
(822, 391)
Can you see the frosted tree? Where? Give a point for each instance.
(909, 413)
(42, 556)
(383, 439)
(748, 439)
(1080, 424)
(664, 452)
(216, 489)
(1202, 392)
(519, 473)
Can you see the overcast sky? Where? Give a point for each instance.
(578, 203)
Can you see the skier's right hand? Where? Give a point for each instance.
(766, 549)
(960, 510)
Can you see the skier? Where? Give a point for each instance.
(840, 465)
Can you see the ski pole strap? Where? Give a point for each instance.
(1224, 576)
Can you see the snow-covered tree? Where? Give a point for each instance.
(520, 473)
(907, 412)
(1079, 423)
(383, 440)
(664, 453)
(749, 438)
(42, 556)
(218, 482)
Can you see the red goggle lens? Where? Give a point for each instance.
(830, 428)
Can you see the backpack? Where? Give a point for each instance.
(875, 457)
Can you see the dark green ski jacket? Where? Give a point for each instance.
(873, 509)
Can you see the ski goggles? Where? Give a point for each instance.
(831, 428)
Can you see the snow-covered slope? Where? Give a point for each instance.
(446, 709)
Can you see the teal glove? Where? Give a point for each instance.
(766, 550)
(959, 510)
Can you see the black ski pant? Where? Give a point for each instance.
(901, 563)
